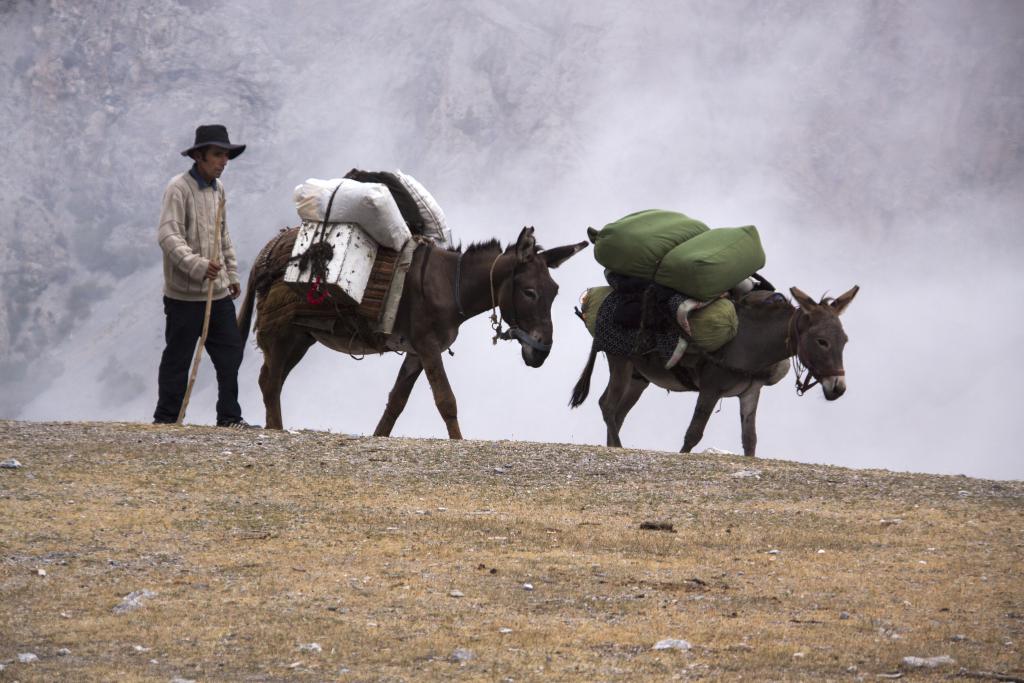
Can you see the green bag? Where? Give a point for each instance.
(635, 244)
(592, 300)
(679, 252)
(713, 262)
(714, 326)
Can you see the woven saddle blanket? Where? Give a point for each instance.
(612, 337)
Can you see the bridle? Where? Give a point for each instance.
(805, 379)
(513, 332)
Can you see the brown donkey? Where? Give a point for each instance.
(443, 289)
(771, 331)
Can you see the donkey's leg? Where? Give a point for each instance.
(636, 388)
(283, 354)
(444, 399)
(620, 371)
(748, 417)
(270, 386)
(706, 400)
(407, 376)
(631, 394)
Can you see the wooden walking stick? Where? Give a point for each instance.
(206, 318)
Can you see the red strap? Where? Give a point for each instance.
(316, 288)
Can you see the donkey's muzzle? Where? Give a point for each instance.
(533, 358)
(535, 352)
(833, 387)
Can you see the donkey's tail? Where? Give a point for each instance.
(245, 314)
(582, 388)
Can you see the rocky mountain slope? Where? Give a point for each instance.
(857, 127)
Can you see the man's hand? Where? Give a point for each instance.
(235, 290)
(212, 270)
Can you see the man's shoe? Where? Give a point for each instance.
(165, 422)
(237, 424)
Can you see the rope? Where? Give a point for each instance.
(495, 313)
(351, 340)
(317, 257)
(747, 374)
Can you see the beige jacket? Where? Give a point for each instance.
(186, 236)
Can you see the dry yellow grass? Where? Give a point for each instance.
(397, 556)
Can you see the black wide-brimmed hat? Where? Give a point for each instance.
(214, 135)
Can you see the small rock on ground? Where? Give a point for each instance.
(27, 657)
(928, 662)
(671, 644)
(10, 464)
(133, 601)
(461, 654)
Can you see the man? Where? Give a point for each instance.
(187, 236)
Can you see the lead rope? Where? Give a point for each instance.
(495, 313)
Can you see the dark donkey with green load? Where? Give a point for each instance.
(771, 331)
(670, 251)
(443, 289)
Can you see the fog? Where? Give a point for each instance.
(878, 144)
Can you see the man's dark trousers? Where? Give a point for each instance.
(223, 343)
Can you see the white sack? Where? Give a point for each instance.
(434, 224)
(370, 205)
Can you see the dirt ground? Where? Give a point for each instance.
(137, 552)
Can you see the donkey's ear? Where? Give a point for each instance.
(526, 245)
(559, 255)
(806, 302)
(841, 302)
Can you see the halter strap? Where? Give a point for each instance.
(804, 382)
(458, 285)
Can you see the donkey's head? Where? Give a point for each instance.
(525, 298)
(820, 340)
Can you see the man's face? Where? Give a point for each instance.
(211, 162)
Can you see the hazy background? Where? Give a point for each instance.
(872, 143)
